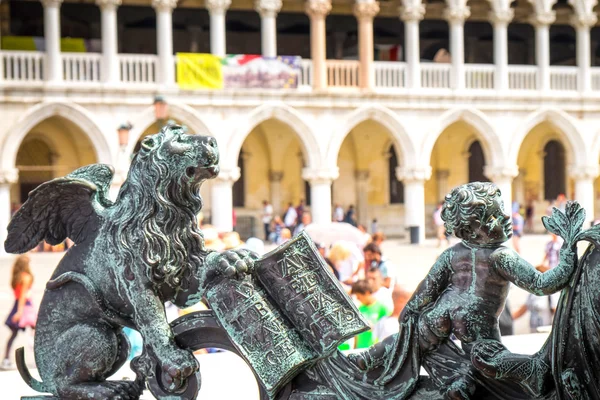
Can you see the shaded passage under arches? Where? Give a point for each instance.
(476, 163)
(555, 181)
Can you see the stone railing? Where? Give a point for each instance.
(435, 76)
(81, 67)
(22, 66)
(522, 77)
(390, 74)
(563, 78)
(479, 76)
(305, 74)
(342, 73)
(138, 68)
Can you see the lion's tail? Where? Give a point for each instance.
(26, 375)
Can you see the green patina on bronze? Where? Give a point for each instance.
(284, 313)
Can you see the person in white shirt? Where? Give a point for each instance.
(338, 213)
(267, 217)
(290, 217)
(380, 292)
(389, 325)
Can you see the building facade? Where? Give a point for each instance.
(493, 90)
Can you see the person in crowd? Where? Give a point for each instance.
(381, 293)
(372, 311)
(300, 208)
(374, 259)
(323, 252)
(276, 227)
(341, 257)
(551, 251)
(267, 217)
(378, 238)
(541, 308)
(255, 245)
(23, 314)
(374, 226)
(304, 222)
(290, 217)
(439, 226)
(389, 325)
(529, 216)
(233, 218)
(350, 216)
(518, 225)
(561, 202)
(286, 235)
(338, 213)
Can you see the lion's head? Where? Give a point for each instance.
(154, 218)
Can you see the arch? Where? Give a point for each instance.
(74, 113)
(400, 138)
(181, 112)
(486, 134)
(282, 113)
(565, 127)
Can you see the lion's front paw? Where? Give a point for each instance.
(233, 263)
(177, 366)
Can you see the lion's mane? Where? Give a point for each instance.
(154, 221)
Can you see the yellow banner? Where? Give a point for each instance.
(199, 71)
(26, 43)
(72, 45)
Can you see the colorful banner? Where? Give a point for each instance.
(31, 43)
(199, 71)
(205, 71)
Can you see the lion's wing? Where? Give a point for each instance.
(63, 207)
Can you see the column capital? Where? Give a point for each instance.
(164, 5)
(498, 173)
(413, 12)
(317, 176)
(584, 21)
(229, 175)
(366, 9)
(457, 13)
(318, 8)
(583, 13)
(9, 176)
(108, 4)
(218, 6)
(583, 172)
(275, 176)
(544, 18)
(268, 8)
(411, 175)
(501, 16)
(51, 3)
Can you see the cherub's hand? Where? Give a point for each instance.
(232, 263)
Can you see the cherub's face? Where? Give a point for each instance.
(496, 226)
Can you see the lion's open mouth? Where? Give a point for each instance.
(203, 172)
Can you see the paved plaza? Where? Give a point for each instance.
(412, 263)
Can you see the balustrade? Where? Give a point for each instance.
(81, 67)
(305, 74)
(563, 78)
(479, 76)
(22, 66)
(138, 68)
(342, 73)
(522, 77)
(390, 74)
(435, 76)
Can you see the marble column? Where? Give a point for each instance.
(6, 179)
(583, 24)
(365, 11)
(164, 40)
(500, 20)
(320, 181)
(222, 200)
(53, 67)
(456, 16)
(503, 178)
(411, 13)
(268, 10)
(275, 178)
(110, 60)
(362, 196)
(317, 10)
(414, 196)
(541, 22)
(217, 10)
(584, 189)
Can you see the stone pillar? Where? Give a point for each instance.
(503, 178)
(110, 61)
(320, 193)
(456, 14)
(442, 183)
(411, 13)
(6, 179)
(582, 24)
(365, 11)
(414, 196)
(500, 19)
(541, 21)
(268, 10)
(275, 178)
(164, 40)
(317, 10)
(217, 10)
(53, 66)
(362, 196)
(195, 35)
(584, 189)
(222, 200)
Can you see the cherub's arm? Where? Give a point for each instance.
(518, 271)
(434, 283)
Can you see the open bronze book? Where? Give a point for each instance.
(289, 314)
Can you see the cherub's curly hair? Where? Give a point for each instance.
(466, 204)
